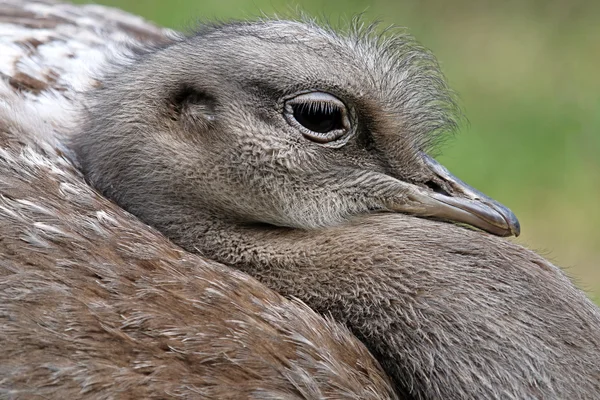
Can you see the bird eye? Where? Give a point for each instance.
(320, 117)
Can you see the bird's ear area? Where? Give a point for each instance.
(191, 106)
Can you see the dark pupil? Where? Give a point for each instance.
(318, 119)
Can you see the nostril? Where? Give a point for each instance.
(436, 188)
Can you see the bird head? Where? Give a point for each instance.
(279, 122)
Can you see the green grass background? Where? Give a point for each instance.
(528, 77)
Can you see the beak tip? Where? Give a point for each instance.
(511, 224)
(514, 225)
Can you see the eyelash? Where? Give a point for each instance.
(320, 117)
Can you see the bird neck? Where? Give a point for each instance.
(257, 249)
(307, 264)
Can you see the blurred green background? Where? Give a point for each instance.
(528, 77)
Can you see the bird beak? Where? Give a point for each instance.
(459, 202)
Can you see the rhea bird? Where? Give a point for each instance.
(281, 148)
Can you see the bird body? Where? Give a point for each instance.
(284, 149)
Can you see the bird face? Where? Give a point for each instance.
(283, 123)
